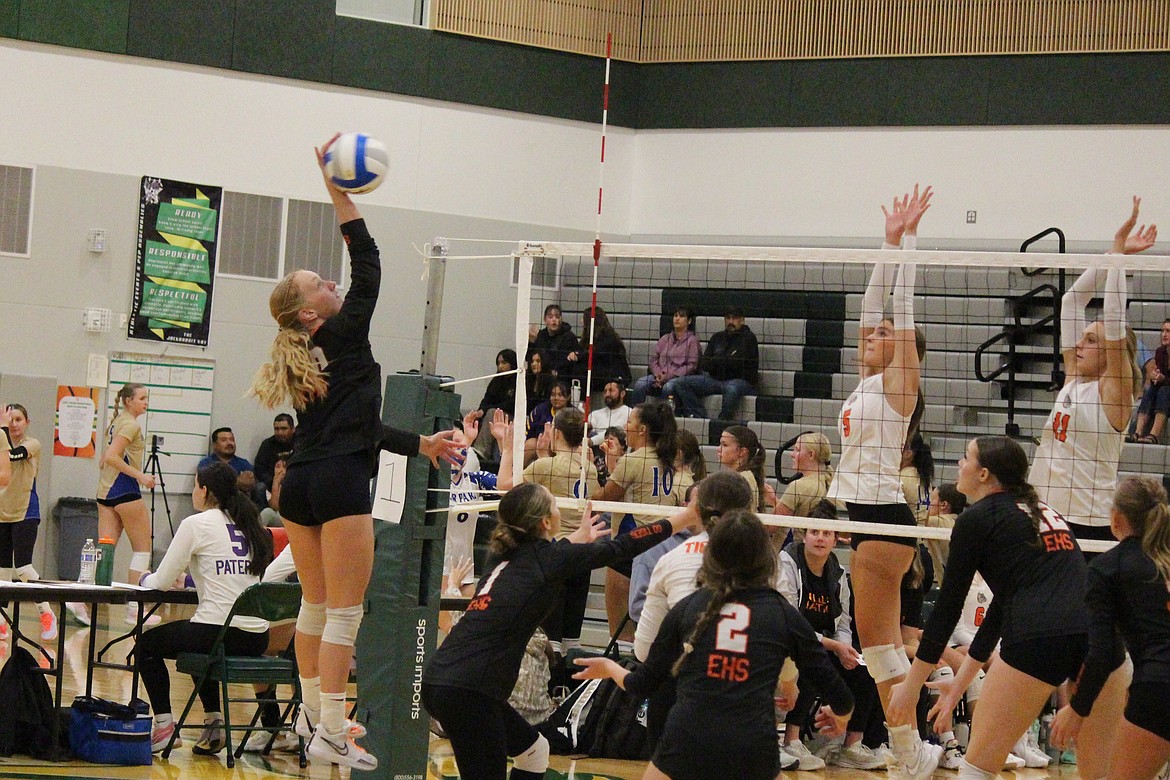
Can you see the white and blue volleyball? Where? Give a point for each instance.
(356, 163)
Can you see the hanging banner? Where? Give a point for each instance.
(76, 431)
(178, 224)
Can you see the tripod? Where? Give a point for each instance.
(155, 469)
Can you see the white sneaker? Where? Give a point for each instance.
(284, 742)
(807, 761)
(858, 756)
(340, 749)
(303, 727)
(1033, 758)
(78, 611)
(1013, 762)
(787, 762)
(925, 760)
(952, 755)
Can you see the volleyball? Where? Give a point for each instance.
(357, 163)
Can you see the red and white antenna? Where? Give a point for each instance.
(596, 252)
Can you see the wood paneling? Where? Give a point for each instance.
(722, 30)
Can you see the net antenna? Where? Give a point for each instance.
(585, 461)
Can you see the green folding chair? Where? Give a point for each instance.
(271, 601)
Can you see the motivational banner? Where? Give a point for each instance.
(178, 224)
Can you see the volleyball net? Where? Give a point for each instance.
(993, 364)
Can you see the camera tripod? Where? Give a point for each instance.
(154, 468)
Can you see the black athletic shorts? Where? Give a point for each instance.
(1147, 708)
(891, 514)
(322, 490)
(682, 760)
(125, 498)
(1050, 659)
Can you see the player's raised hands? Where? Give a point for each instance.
(914, 208)
(895, 221)
(592, 527)
(1126, 241)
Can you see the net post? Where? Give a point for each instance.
(433, 312)
(523, 257)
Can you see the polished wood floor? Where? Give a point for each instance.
(183, 764)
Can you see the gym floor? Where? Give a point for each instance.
(184, 764)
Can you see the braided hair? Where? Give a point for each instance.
(738, 557)
(1008, 463)
(722, 492)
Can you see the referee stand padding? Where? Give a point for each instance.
(399, 629)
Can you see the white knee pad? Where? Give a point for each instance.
(970, 772)
(27, 573)
(885, 662)
(341, 625)
(976, 686)
(140, 561)
(311, 618)
(535, 758)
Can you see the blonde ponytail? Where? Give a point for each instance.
(293, 375)
(1142, 501)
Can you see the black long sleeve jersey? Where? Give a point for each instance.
(348, 419)
(483, 651)
(1039, 585)
(1128, 600)
(726, 686)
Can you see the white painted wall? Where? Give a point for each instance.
(758, 184)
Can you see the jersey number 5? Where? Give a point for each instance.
(845, 423)
(239, 541)
(731, 636)
(1060, 426)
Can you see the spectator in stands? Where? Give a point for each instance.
(223, 448)
(613, 413)
(676, 354)
(538, 381)
(555, 340)
(690, 456)
(1155, 396)
(730, 366)
(917, 475)
(500, 394)
(946, 502)
(279, 444)
(609, 351)
(270, 515)
(543, 415)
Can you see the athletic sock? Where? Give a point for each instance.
(333, 712)
(311, 697)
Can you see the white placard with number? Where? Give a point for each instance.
(390, 489)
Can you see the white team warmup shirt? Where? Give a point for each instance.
(467, 486)
(673, 579)
(872, 435)
(975, 608)
(1074, 469)
(217, 555)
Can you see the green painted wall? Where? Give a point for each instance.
(305, 39)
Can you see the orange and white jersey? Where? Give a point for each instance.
(1074, 470)
(872, 436)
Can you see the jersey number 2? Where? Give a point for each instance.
(731, 636)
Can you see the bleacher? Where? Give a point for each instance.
(805, 317)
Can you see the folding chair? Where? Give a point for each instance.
(271, 601)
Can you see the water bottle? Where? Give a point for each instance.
(89, 562)
(105, 567)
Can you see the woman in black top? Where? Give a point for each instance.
(467, 683)
(1128, 603)
(501, 390)
(322, 363)
(726, 643)
(609, 351)
(1033, 565)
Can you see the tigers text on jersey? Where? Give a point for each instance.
(217, 554)
(1075, 467)
(483, 651)
(1038, 585)
(872, 435)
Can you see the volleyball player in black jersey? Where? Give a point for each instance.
(726, 644)
(1128, 601)
(467, 683)
(1033, 565)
